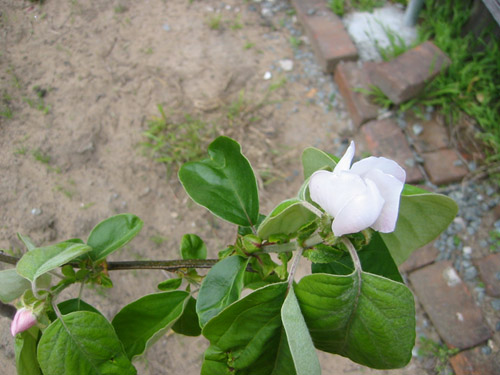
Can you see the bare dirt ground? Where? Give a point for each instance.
(80, 79)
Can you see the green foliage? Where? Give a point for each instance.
(141, 322)
(174, 143)
(337, 7)
(44, 259)
(226, 174)
(221, 287)
(90, 338)
(214, 23)
(471, 82)
(354, 304)
(440, 352)
(25, 348)
(336, 308)
(111, 234)
(193, 247)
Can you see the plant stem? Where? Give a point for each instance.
(293, 268)
(353, 253)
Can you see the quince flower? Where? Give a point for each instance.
(23, 320)
(364, 195)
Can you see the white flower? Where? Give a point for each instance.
(364, 195)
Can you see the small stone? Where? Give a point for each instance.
(417, 129)
(267, 76)
(166, 27)
(470, 273)
(36, 211)
(496, 304)
(486, 350)
(174, 215)
(266, 12)
(286, 65)
(311, 12)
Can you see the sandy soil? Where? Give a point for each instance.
(103, 67)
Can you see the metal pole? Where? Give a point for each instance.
(411, 14)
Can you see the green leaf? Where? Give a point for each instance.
(26, 241)
(193, 247)
(225, 184)
(422, 217)
(72, 305)
(299, 340)
(375, 258)
(13, 285)
(367, 318)
(44, 259)
(248, 336)
(113, 233)
(221, 287)
(314, 159)
(170, 284)
(85, 344)
(286, 218)
(188, 323)
(25, 348)
(140, 323)
(252, 280)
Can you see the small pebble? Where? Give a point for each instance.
(166, 27)
(417, 129)
(486, 350)
(267, 76)
(286, 65)
(496, 304)
(36, 211)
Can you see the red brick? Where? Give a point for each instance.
(420, 258)
(444, 166)
(434, 136)
(330, 41)
(450, 306)
(385, 138)
(405, 76)
(350, 77)
(489, 270)
(473, 362)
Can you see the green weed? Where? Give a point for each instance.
(174, 143)
(237, 25)
(440, 352)
(249, 45)
(215, 22)
(41, 156)
(337, 7)
(22, 150)
(295, 42)
(158, 240)
(471, 82)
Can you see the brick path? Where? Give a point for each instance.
(426, 153)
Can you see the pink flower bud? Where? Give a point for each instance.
(23, 320)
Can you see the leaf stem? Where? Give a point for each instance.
(311, 208)
(293, 268)
(353, 253)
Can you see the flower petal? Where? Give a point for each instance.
(390, 188)
(387, 166)
(345, 162)
(333, 190)
(360, 212)
(23, 320)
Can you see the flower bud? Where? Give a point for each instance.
(23, 320)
